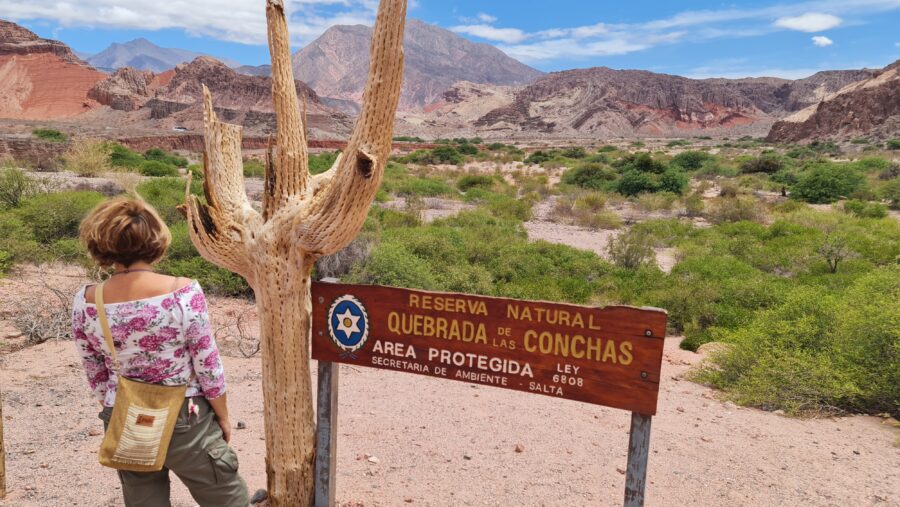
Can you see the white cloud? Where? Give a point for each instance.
(230, 20)
(822, 41)
(488, 32)
(487, 18)
(809, 22)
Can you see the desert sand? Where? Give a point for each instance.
(405, 439)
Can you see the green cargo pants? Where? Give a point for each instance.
(199, 456)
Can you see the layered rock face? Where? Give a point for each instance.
(867, 108)
(41, 78)
(610, 103)
(336, 63)
(126, 90)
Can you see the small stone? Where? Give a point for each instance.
(466, 456)
(620, 470)
(778, 412)
(680, 409)
(374, 460)
(706, 439)
(95, 432)
(44, 465)
(520, 448)
(260, 496)
(241, 425)
(408, 500)
(856, 452)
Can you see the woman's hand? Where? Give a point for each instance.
(225, 424)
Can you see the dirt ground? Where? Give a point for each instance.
(443, 443)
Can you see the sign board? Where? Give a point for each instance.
(605, 356)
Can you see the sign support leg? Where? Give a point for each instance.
(638, 454)
(326, 433)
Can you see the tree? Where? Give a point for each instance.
(303, 218)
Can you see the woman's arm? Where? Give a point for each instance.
(220, 407)
(205, 355)
(92, 357)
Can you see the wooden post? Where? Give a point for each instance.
(638, 453)
(326, 434)
(2, 453)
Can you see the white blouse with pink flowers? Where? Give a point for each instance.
(158, 340)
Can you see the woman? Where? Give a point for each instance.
(161, 332)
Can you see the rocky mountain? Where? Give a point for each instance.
(866, 108)
(611, 103)
(255, 70)
(41, 78)
(336, 63)
(142, 54)
(174, 98)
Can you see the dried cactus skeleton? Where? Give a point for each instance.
(303, 218)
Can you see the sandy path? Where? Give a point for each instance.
(447, 443)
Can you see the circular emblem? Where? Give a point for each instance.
(348, 324)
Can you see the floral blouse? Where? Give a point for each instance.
(159, 340)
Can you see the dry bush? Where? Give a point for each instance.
(662, 201)
(340, 264)
(736, 209)
(240, 330)
(15, 186)
(632, 249)
(88, 157)
(585, 210)
(45, 312)
(694, 205)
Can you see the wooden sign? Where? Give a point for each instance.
(606, 356)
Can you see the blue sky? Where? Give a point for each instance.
(697, 39)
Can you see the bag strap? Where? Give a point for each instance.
(104, 324)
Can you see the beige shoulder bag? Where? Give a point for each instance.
(143, 417)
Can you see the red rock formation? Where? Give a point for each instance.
(868, 108)
(41, 79)
(126, 90)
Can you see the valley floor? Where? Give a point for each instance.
(439, 443)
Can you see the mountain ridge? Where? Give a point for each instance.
(336, 63)
(142, 54)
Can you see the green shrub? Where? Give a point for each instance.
(607, 149)
(470, 181)
(691, 160)
(166, 194)
(767, 163)
(539, 157)
(893, 144)
(214, 279)
(818, 352)
(160, 155)
(17, 242)
(576, 152)
(393, 264)
(322, 162)
(673, 181)
(641, 162)
(196, 170)
(864, 209)
(56, 216)
(591, 176)
(635, 182)
(826, 183)
(120, 156)
(631, 249)
(157, 169)
(467, 149)
(54, 136)
(15, 186)
(407, 139)
(678, 142)
(496, 146)
(254, 168)
(891, 193)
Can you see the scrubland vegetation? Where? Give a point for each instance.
(786, 255)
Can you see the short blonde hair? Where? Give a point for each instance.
(125, 231)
